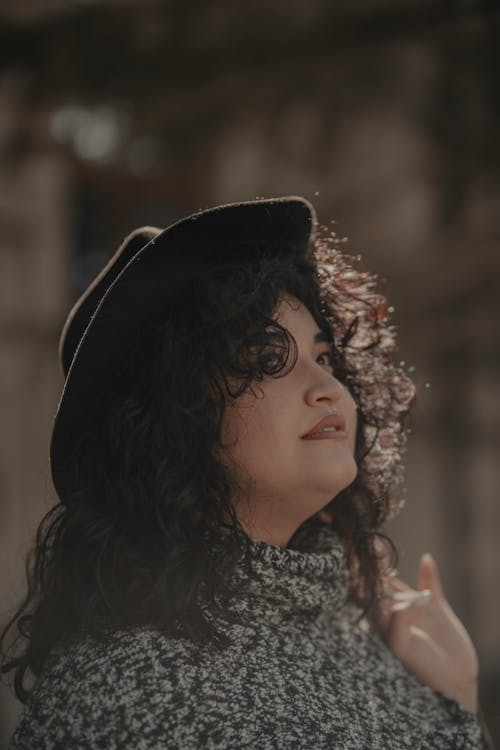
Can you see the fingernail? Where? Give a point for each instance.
(404, 596)
(417, 601)
(422, 598)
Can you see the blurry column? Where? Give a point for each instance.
(33, 250)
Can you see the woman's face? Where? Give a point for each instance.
(287, 477)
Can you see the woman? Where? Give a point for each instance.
(216, 574)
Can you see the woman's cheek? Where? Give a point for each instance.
(353, 409)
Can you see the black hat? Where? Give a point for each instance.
(83, 309)
(139, 284)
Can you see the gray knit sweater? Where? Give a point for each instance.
(299, 674)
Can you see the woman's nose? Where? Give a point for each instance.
(325, 388)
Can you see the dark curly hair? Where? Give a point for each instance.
(150, 537)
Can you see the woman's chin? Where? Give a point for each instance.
(341, 481)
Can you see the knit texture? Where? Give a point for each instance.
(299, 674)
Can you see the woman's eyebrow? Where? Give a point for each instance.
(322, 338)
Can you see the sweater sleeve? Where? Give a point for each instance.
(472, 732)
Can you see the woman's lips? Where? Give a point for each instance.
(332, 423)
(337, 435)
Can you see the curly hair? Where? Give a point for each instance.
(150, 536)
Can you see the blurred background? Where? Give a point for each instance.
(385, 114)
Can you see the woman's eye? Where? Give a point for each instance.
(327, 358)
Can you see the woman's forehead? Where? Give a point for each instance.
(295, 315)
(288, 303)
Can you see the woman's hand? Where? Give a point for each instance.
(422, 630)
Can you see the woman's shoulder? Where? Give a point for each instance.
(89, 687)
(132, 645)
(118, 655)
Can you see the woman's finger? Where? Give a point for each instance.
(384, 616)
(394, 584)
(428, 576)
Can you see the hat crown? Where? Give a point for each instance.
(139, 284)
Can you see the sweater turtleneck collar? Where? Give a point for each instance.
(286, 580)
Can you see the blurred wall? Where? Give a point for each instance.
(385, 115)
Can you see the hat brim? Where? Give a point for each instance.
(144, 289)
(83, 309)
